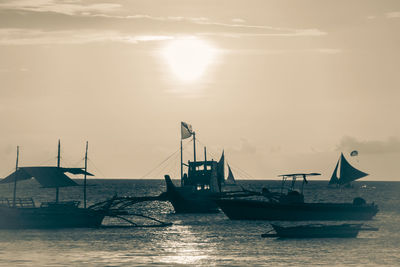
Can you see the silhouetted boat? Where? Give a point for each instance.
(202, 184)
(23, 213)
(290, 206)
(347, 172)
(318, 231)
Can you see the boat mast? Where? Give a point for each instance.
(15, 179)
(84, 178)
(205, 160)
(58, 166)
(181, 164)
(194, 149)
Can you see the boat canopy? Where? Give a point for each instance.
(294, 177)
(300, 174)
(49, 177)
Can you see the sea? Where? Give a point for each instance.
(201, 239)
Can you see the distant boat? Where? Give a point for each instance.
(348, 173)
(231, 179)
(20, 213)
(318, 231)
(203, 182)
(290, 206)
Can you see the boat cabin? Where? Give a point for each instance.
(202, 175)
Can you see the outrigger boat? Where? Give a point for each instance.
(22, 213)
(290, 206)
(318, 231)
(202, 183)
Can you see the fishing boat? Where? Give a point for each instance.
(22, 213)
(318, 231)
(203, 182)
(347, 172)
(290, 205)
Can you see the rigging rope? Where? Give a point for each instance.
(165, 160)
(144, 176)
(97, 169)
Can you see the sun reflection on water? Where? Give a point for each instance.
(185, 247)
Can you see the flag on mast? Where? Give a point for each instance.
(186, 130)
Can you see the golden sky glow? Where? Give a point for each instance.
(282, 86)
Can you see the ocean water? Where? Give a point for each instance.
(201, 240)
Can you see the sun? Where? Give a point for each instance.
(188, 58)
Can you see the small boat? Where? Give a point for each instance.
(20, 213)
(347, 172)
(317, 231)
(290, 206)
(203, 182)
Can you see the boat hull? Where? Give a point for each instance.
(49, 217)
(261, 210)
(318, 231)
(187, 200)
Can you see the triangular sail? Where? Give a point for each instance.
(348, 173)
(230, 179)
(334, 179)
(221, 169)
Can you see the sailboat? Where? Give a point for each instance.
(202, 183)
(348, 173)
(231, 179)
(22, 213)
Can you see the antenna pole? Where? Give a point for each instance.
(58, 166)
(84, 179)
(15, 179)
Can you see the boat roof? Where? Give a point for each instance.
(49, 177)
(299, 174)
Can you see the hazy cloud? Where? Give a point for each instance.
(46, 21)
(71, 7)
(393, 15)
(329, 51)
(237, 20)
(40, 37)
(391, 145)
(246, 147)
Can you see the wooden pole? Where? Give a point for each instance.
(58, 166)
(205, 161)
(194, 149)
(15, 179)
(84, 179)
(181, 165)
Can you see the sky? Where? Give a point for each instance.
(280, 86)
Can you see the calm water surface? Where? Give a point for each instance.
(201, 240)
